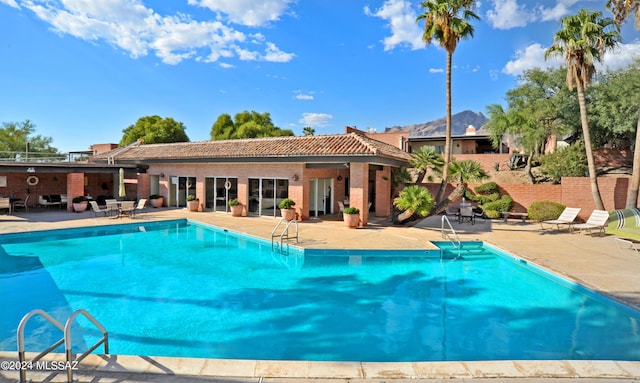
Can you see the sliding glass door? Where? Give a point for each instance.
(219, 191)
(265, 195)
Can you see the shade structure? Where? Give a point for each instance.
(121, 190)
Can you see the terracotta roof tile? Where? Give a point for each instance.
(303, 146)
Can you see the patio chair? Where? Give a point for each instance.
(5, 203)
(112, 206)
(22, 204)
(95, 209)
(567, 217)
(466, 213)
(127, 208)
(341, 207)
(597, 220)
(142, 203)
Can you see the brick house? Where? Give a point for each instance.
(315, 171)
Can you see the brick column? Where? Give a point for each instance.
(75, 188)
(359, 189)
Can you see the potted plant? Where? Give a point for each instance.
(351, 216)
(192, 202)
(236, 208)
(156, 200)
(286, 209)
(79, 204)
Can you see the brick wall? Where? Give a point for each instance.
(573, 191)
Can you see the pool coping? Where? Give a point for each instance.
(241, 368)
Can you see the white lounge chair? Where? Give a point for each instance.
(567, 217)
(597, 220)
(140, 207)
(95, 209)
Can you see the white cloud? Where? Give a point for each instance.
(529, 58)
(402, 22)
(302, 96)
(555, 13)
(247, 12)
(507, 14)
(131, 26)
(623, 56)
(533, 56)
(10, 3)
(436, 70)
(315, 120)
(226, 66)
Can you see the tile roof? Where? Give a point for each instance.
(321, 146)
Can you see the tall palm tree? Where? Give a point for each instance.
(621, 10)
(424, 159)
(447, 21)
(583, 41)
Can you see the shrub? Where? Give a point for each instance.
(568, 162)
(483, 199)
(351, 210)
(287, 203)
(494, 209)
(78, 199)
(155, 196)
(545, 210)
(191, 197)
(234, 202)
(487, 188)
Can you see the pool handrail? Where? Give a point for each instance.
(285, 232)
(455, 241)
(66, 329)
(20, 336)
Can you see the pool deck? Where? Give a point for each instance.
(593, 261)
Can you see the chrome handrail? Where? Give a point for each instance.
(456, 243)
(68, 345)
(285, 232)
(66, 329)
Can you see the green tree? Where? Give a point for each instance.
(223, 128)
(447, 21)
(154, 130)
(16, 136)
(246, 125)
(308, 131)
(461, 172)
(621, 10)
(412, 200)
(426, 159)
(583, 40)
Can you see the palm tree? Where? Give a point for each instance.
(424, 159)
(621, 10)
(308, 131)
(413, 199)
(583, 41)
(463, 172)
(447, 21)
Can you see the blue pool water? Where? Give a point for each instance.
(183, 289)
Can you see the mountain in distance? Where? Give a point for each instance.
(459, 123)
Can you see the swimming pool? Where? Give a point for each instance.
(184, 289)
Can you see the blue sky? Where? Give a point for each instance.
(84, 70)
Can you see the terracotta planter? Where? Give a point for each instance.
(236, 211)
(157, 202)
(79, 207)
(288, 214)
(351, 220)
(193, 205)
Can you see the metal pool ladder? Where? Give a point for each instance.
(285, 232)
(449, 233)
(66, 329)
